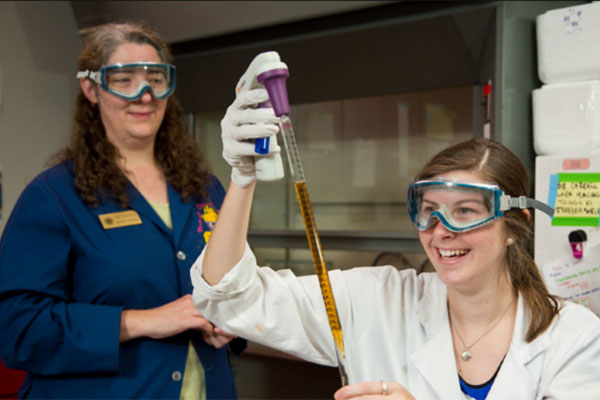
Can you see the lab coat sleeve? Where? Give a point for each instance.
(41, 331)
(574, 367)
(273, 308)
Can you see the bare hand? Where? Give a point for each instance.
(169, 320)
(218, 337)
(373, 390)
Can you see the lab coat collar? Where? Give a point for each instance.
(437, 353)
(513, 379)
(526, 352)
(180, 210)
(141, 205)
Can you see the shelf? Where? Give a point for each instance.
(338, 240)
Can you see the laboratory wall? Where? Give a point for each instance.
(567, 143)
(516, 73)
(38, 50)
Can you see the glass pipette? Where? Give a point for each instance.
(314, 242)
(274, 82)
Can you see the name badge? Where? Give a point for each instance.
(120, 219)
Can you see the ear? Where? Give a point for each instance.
(527, 213)
(89, 89)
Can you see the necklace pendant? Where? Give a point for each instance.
(466, 355)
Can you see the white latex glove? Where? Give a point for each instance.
(242, 124)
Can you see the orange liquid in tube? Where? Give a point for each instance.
(320, 266)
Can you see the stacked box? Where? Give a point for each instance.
(566, 118)
(568, 43)
(566, 109)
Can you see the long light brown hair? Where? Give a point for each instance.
(495, 163)
(95, 157)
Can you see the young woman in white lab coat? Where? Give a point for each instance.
(482, 326)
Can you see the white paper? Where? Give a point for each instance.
(575, 279)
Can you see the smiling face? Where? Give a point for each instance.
(465, 260)
(128, 124)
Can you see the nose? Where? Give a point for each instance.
(146, 96)
(438, 229)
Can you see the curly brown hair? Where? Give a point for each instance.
(495, 163)
(95, 158)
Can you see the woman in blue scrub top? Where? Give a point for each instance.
(95, 290)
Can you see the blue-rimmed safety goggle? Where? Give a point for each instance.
(462, 206)
(130, 81)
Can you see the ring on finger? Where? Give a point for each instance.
(383, 388)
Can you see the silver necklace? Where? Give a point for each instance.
(466, 354)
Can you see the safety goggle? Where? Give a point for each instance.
(462, 206)
(130, 81)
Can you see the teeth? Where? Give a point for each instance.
(452, 253)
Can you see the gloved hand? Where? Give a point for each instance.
(241, 124)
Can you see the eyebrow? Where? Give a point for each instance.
(461, 201)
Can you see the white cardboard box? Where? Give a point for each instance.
(566, 118)
(568, 43)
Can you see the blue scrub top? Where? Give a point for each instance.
(64, 280)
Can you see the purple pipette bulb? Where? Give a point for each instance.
(274, 82)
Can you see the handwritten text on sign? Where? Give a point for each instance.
(577, 199)
(574, 279)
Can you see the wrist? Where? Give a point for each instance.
(242, 181)
(131, 324)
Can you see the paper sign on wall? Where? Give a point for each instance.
(576, 280)
(575, 198)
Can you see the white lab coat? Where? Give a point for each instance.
(396, 328)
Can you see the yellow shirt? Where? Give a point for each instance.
(193, 386)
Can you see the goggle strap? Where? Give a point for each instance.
(507, 202)
(93, 75)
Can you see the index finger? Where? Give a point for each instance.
(359, 389)
(251, 97)
(220, 331)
